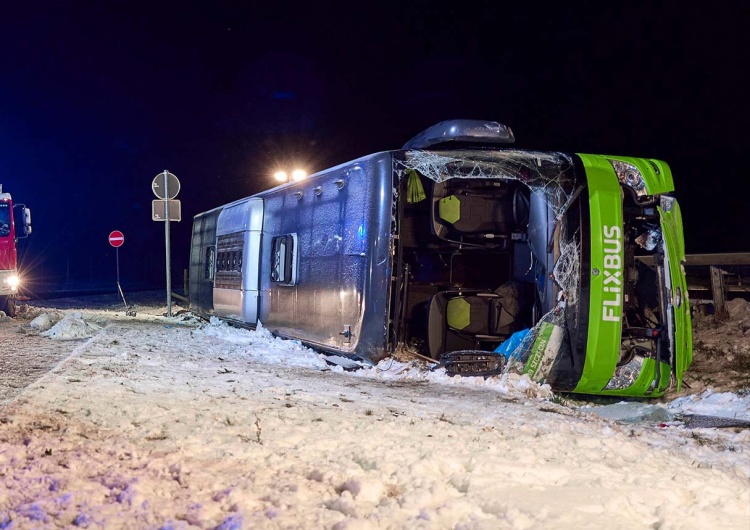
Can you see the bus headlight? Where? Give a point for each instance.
(630, 176)
(627, 374)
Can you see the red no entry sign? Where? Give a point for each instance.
(116, 238)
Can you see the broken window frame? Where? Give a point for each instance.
(284, 251)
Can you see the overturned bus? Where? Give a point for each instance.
(460, 248)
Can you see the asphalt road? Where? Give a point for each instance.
(25, 356)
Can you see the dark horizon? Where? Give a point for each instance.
(99, 99)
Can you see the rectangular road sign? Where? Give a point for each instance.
(158, 207)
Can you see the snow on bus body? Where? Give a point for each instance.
(310, 260)
(456, 243)
(9, 234)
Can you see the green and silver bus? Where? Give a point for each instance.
(464, 250)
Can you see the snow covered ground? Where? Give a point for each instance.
(170, 423)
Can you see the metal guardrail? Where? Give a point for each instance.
(709, 272)
(185, 283)
(741, 259)
(717, 260)
(180, 297)
(715, 278)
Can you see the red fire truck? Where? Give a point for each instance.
(15, 224)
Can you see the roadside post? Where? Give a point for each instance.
(117, 239)
(166, 186)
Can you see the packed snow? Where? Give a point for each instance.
(176, 423)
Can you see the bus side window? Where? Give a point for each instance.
(210, 262)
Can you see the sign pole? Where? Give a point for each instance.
(166, 186)
(166, 243)
(116, 239)
(119, 288)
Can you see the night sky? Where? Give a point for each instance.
(99, 97)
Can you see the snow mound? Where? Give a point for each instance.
(72, 327)
(738, 308)
(723, 404)
(510, 383)
(43, 322)
(261, 345)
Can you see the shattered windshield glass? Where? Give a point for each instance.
(548, 174)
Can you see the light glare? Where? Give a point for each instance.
(281, 176)
(298, 174)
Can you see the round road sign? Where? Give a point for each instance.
(165, 185)
(116, 238)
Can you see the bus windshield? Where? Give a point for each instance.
(4, 219)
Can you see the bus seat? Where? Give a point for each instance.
(469, 318)
(479, 213)
(470, 214)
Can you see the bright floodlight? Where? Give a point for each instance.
(281, 176)
(298, 174)
(13, 282)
